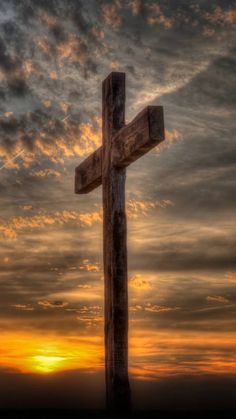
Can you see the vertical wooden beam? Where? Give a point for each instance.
(115, 250)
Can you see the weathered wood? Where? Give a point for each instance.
(115, 250)
(132, 141)
(88, 175)
(137, 138)
(121, 146)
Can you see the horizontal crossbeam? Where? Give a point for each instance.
(132, 141)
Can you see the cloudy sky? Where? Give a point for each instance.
(54, 56)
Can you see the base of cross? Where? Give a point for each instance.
(118, 396)
(122, 144)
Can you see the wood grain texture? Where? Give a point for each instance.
(107, 165)
(128, 144)
(88, 175)
(115, 250)
(137, 138)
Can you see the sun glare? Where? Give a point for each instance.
(50, 354)
(46, 364)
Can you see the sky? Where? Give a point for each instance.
(180, 201)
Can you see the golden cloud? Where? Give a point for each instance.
(152, 308)
(46, 172)
(8, 114)
(52, 304)
(42, 43)
(90, 267)
(110, 13)
(23, 307)
(73, 49)
(92, 316)
(47, 104)
(29, 68)
(231, 276)
(48, 19)
(53, 75)
(80, 139)
(171, 137)
(26, 207)
(135, 6)
(14, 225)
(217, 298)
(135, 208)
(209, 352)
(65, 106)
(222, 17)
(156, 17)
(97, 32)
(115, 66)
(138, 282)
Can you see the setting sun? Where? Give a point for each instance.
(49, 354)
(46, 364)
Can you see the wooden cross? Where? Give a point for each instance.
(122, 144)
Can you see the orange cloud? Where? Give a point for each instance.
(138, 282)
(231, 276)
(89, 218)
(52, 304)
(26, 207)
(47, 104)
(135, 208)
(23, 307)
(90, 267)
(65, 106)
(43, 44)
(53, 75)
(152, 308)
(91, 316)
(80, 139)
(110, 13)
(73, 49)
(217, 298)
(97, 32)
(171, 137)
(209, 353)
(115, 66)
(14, 225)
(46, 172)
(222, 17)
(48, 19)
(8, 114)
(156, 17)
(29, 68)
(135, 6)
(85, 286)
(152, 354)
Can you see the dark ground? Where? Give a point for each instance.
(89, 414)
(74, 395)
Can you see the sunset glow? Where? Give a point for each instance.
(152, 355)
(179, 201)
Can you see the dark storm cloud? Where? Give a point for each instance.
(12, 69)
